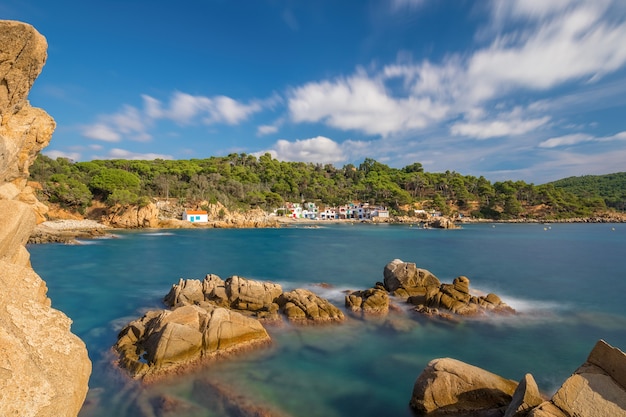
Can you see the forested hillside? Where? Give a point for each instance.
(241, 182)
(611, 188)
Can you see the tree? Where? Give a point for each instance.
(111, 179)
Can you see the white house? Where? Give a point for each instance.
(196, 216)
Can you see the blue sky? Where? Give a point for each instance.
(531, 90)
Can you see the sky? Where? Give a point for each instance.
(531, 90)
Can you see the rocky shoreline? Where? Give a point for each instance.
(70, 231)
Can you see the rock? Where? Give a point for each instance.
(186, 292)
(442, 223)
(238, 293)
(598, 387)
(525, 397)
(44, 368)
(449, 386)
(250, 295)
(304, 306)
(132, 217)
(163, 341)
(456, 298)
(374, 301)
(405, 279)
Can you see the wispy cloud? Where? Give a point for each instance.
(184, 109)
(546, 45)
(117, 153)
(578, 138)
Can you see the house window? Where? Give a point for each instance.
(198, 218)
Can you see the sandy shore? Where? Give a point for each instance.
(73, 225)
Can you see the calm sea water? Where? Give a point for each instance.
(568, 281)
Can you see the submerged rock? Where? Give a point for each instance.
(165, 341)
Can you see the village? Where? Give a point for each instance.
(310, 211)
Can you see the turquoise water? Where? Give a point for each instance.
(567, 280)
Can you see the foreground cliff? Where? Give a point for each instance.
(44, 368)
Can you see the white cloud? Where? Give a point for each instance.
(576, 138)
(362, 103)
(132, 123)
(565, 140)
(266, 130)
(513, 123)
(101, 131)
(117, 153)
(54, 154)
(319, 149)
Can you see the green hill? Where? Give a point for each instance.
(610, 187)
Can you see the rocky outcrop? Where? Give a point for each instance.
(255, 298)
(373, 301)
(133, 217)
(404, 279)
(596, 389)
(44, 368)
(305, 307)
(262, 300)
(457, 299)
(424, 290)
(165, 341)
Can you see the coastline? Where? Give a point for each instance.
(68, 231)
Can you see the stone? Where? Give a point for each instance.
(186, 292)
(456, 298)
(250, 295)
(132, 217)
(44, 368)
(373, 301)
(597, 387)
(164, 341)
(525, 397)
(400, 275)
(305, 306)
(448, 386)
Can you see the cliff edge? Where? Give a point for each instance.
(44, 368)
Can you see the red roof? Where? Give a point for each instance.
(196, 212)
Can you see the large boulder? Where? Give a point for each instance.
(597, 388)
(44, 368)
(303, 306)
(451, 387)
(404, 279)
(165, 341)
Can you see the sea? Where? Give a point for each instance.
(566, 281)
